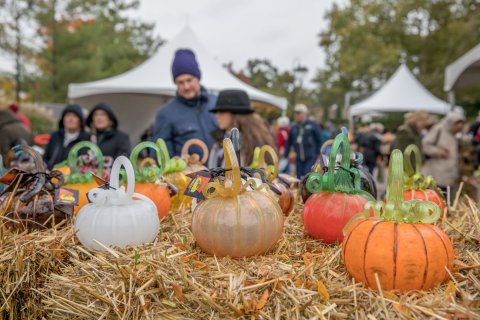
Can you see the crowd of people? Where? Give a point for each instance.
(196, 113)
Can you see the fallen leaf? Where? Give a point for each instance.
(390, 295)
(200, 265)
(263, 299)
(402, 309)
(450, 290)
(322, 291)
(178, 291)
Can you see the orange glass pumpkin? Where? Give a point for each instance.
(399, 244)
(233, 221)
(83, 182)
(149, 179)
(417, 186)
(286, 199)
(174, 174)
(335, 197)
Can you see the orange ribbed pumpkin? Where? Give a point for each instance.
(399, 244)
(405, 256)
(149, 178)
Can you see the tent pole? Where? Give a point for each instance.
(451, 99)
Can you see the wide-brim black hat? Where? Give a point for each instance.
(234, 101)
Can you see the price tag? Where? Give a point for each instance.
(66, 196)
(197, 184)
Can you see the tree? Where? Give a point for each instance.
(263, 75)
(87, 40)
(367, 39)
(15, 15)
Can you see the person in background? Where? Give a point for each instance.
(105, 134)
(16, 109)
(12, 130)
(410, 132)
(283, 124)
(234, 110)
(369, 144)
(71, 130)
(305, 140)
(474, 131)
(187, 116)
(441, 147)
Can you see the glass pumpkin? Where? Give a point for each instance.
(174, 173)
(335, 197)
(28, 201)
(399, 243)
(233, 221)
(116, 217)
(82, 181)
(286, 199)
(418, 187)
(149, 178)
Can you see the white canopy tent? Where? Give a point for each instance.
(137, 94)
(401, 93)
(463, 73)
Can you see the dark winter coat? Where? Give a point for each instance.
(307, 147)
(181, 120)
(55, 152)
(112, 142)
(12, 131)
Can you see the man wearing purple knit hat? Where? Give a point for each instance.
(187, 115)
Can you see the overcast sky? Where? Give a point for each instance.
(284, 31)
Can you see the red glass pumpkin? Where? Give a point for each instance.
(336, 198)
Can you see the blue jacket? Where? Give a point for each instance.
(306, 140)
(180, 120)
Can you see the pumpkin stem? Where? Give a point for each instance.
(189, 158)
(37, 159)
(232, 185)
(76, 176)
(271, 171)
(396, 207)
(151, 173)
(339, 180)
(414, 178)
(171, 165)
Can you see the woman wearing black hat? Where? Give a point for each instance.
(103, 124)
(233, 110)
(70, 131)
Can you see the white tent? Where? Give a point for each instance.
(465, 71)
(401, 93)
(137, 94)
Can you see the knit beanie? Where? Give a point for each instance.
(184, 62)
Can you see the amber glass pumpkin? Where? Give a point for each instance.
(174, 174)
(336, 198)
(399, 243)
(418, 187)
(149, 179)
(286, 199)
(233, 221)
(83, 182)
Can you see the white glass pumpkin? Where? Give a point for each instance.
(115, 218)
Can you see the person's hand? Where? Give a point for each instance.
(444, 153)
(291, 157)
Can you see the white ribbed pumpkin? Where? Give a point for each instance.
(115, 218)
